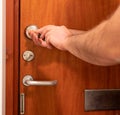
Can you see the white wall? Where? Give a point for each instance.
(2, 57)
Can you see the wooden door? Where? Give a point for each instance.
(73, 75)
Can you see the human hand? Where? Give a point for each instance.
(50, 36)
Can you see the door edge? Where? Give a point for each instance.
(12, 57)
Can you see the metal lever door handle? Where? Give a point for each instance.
(28, 81)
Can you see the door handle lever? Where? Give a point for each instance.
(28, 81)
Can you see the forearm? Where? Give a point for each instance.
(76, 32)
(99, 46)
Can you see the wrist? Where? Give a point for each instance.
(76, 32)
(71, 42)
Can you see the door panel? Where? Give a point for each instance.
(73, 75)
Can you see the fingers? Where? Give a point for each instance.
(34, 36)
(51, 35)
(45, 30)
(38, 40)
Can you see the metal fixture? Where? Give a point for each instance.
(28, 56)
(22, 103)
(28, 81)
(28, 28)
(102, 99)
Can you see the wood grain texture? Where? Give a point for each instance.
(12, 55)
(73, 75)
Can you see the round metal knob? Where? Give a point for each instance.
(28, 28)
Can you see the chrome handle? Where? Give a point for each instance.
(28, 81)
(28, 28)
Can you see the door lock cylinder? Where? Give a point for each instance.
(28, 56)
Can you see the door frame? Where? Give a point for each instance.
(12, 57)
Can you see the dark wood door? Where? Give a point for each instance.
(73, 75)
